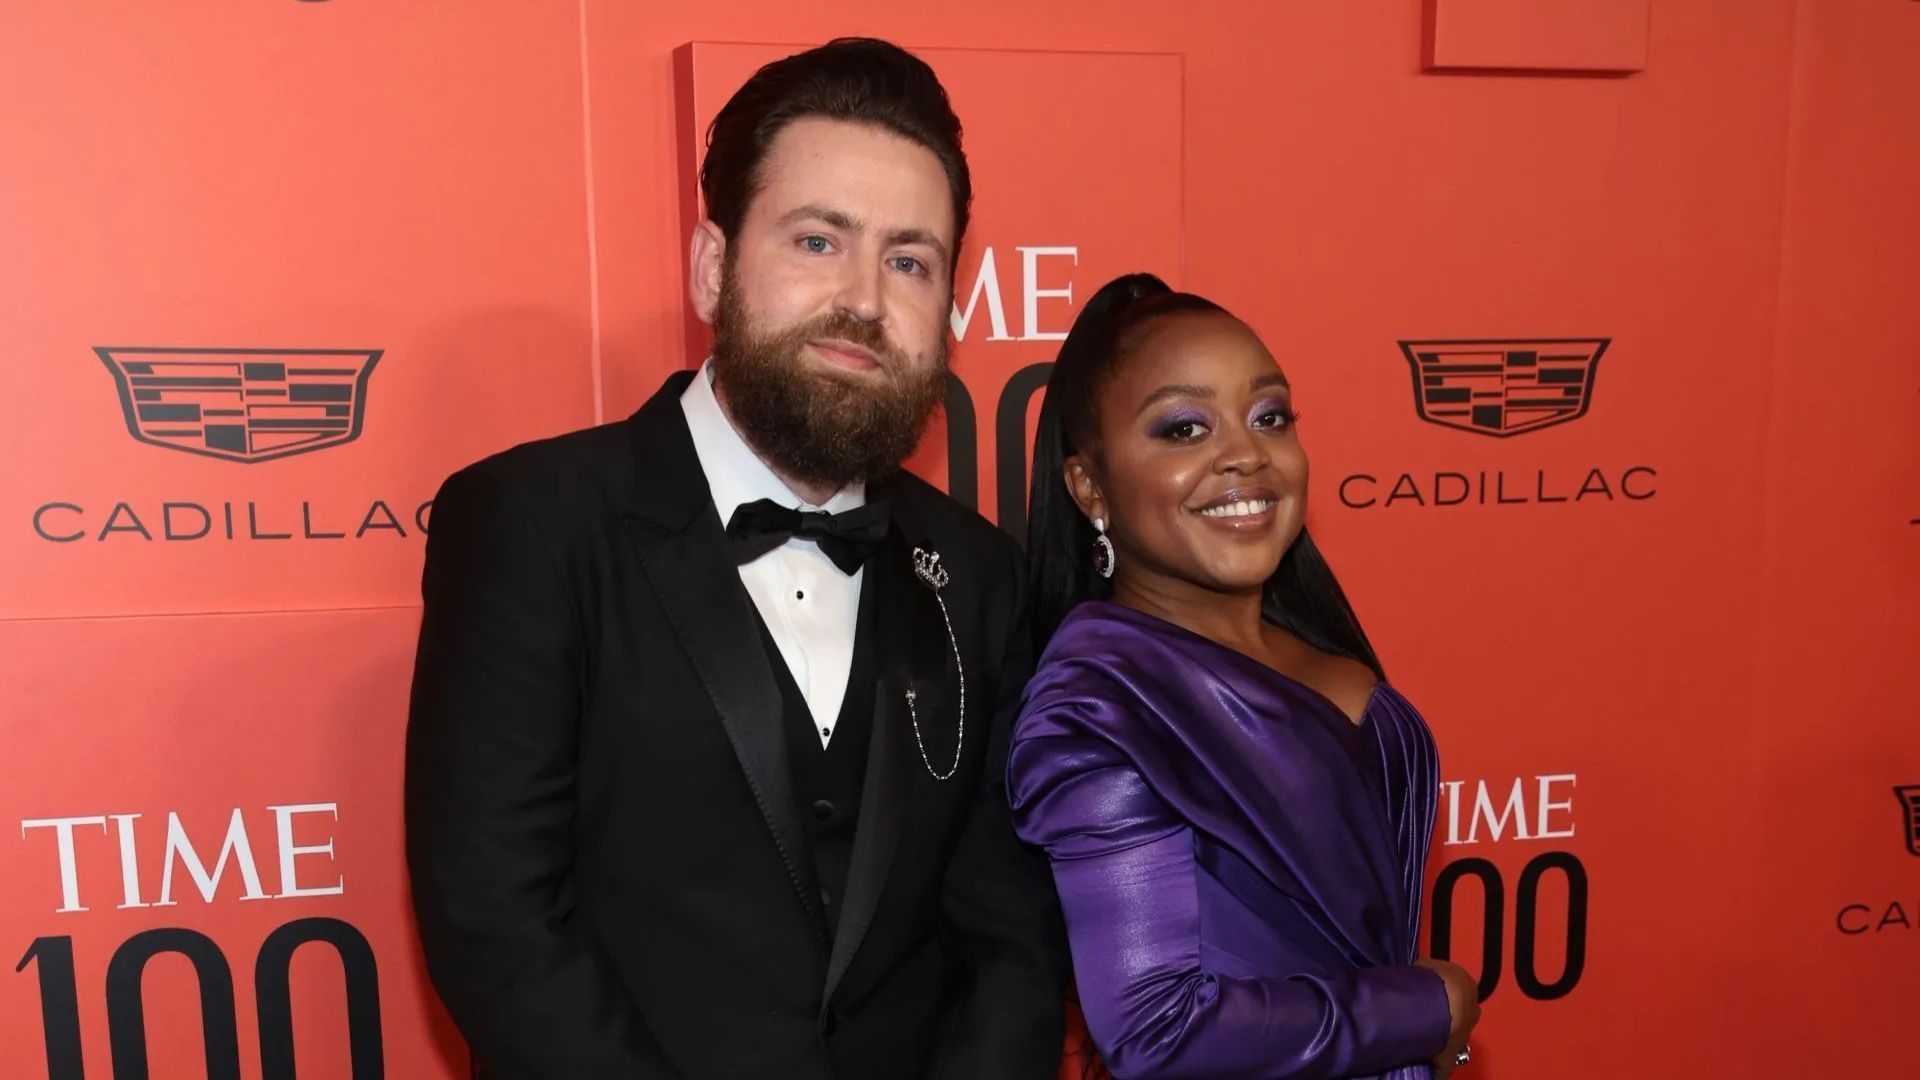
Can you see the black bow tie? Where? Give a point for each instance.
(847, 537)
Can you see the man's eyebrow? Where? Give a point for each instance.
(917, 236)
(846, 222)
(839, 219)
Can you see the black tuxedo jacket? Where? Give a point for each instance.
(608, 866)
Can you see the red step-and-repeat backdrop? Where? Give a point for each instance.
(1600, 314)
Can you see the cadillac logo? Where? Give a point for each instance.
(246, 405)
(1503, 386)
(1909, 797)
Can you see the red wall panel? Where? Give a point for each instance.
(1663, 640)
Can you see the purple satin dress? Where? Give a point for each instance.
(1239, 863)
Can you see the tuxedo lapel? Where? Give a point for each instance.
(911, 651)
(681, 544)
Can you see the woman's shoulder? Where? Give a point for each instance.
(1087, 740)
(1109, 681)
(1099, 652)
(1099, 632)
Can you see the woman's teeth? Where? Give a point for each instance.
(1239, 509)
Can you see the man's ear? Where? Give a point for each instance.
(706, 265)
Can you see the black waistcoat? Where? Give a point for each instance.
(827, 781)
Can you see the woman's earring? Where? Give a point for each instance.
(1102, 549)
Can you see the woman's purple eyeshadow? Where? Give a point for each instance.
(1168, 423)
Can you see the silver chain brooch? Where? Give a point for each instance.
(926, 566)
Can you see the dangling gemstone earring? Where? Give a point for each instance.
(1102, 549)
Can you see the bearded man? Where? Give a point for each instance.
(706, 757)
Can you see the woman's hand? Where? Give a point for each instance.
(1463, 1009)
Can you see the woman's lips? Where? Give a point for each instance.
(1241, 508)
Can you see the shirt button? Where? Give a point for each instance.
(822, 810)
(799, 594)
(826, 897)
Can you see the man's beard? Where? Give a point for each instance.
(813, 425)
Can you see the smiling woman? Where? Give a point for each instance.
(1154, 429)
(1236, 804)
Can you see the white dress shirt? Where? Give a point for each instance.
(810, 606)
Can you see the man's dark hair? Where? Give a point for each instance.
(858, 80)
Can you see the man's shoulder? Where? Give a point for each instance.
(927, 514)
(594, 459)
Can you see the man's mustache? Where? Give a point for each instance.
(867, 335)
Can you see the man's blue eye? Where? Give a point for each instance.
(814, 244)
